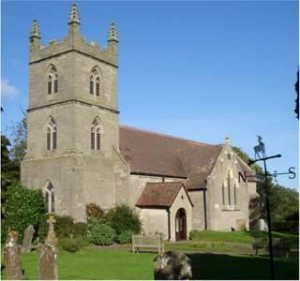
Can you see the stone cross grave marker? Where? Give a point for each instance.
(27, 240)
(51, 237)
(48, 255)
(12, 261)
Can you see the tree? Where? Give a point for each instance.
(10, 172)
(19, 140)
(23, 206)
(284, 205)
(297, 95)
(284, 202)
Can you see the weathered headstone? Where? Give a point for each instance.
(241, 225)
(12, 261)
(27, 240)
(48, 254)
(172, 266)
(48, 262)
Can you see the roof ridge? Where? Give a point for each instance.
(166, 182)
(165, 135)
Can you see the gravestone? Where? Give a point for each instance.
(27, 240)
(172, 266)
(241, 225)
(12, 261)
(48, 262)
(48, 254)
(51, 237)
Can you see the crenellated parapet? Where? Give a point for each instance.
(73, 42)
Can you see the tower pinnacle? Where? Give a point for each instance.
(74, 20)
(113, 33)
(34, 32)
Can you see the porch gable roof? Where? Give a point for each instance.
(160, 195)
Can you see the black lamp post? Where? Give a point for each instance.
(261, 156)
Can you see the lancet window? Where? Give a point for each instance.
(52, 80)
(96, 136)
(51, 135)
(50, 198)
(95, 82)
(229, 192)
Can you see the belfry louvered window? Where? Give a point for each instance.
(52, 80)
(95, 82)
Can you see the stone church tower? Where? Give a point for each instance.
(73, 122)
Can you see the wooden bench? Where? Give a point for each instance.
(142, 241)
(279, 244)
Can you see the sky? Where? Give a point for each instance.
(199, 70)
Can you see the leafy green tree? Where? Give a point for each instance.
(22, 207)
(284, 205)
(10, 172)
(284, 202)
(19, 140)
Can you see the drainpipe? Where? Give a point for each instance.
(169, 225)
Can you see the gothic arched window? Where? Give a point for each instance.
(96, 136)
(50, 198)
(51, 135)
(229, 192)
(95, 82)
(52, 80)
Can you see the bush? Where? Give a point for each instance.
(122, 219)
(101, 234)
(94, 211)
(42, 228)
(69, 245)
(23, 207)
(125, 237)
(194, 234)
(80, 229)
(64, 226)
(82, 241)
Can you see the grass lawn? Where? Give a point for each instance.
(214, 255)
(119, 263)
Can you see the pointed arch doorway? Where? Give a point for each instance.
(180, 225)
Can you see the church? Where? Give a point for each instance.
(78, 153)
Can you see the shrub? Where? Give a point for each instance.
(42, 228)
(125, 237)
(80, 229)
(23, 207)
(64, 226)
(94, 211)
(69, 245)
(82, 241)
(122, 218)
(101, 234)
(194, 234)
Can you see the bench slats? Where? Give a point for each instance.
(277, 243)
(143, 241)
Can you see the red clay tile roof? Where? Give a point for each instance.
(160, 195)
(151, 153)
